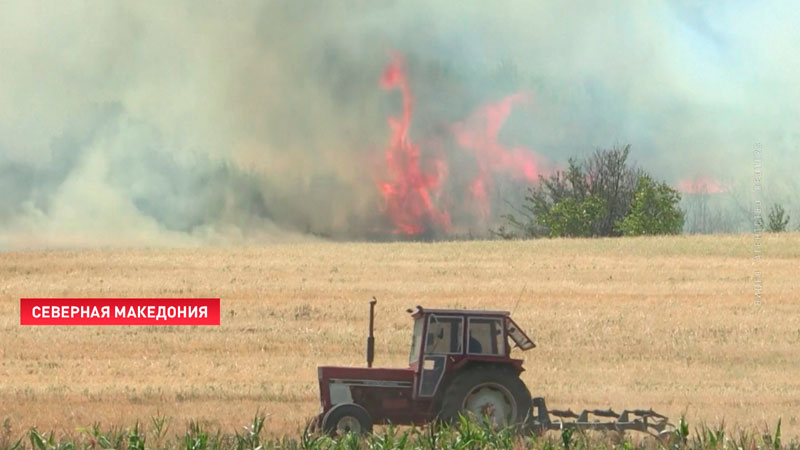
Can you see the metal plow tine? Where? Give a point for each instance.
(647, 413)
(604, 413)
(563, 413)
(643, 420)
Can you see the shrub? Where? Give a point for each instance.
(654, 210)
(604, 195)
(777, 219)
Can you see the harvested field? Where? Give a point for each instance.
(667, 322)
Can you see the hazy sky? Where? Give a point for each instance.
(191, 122)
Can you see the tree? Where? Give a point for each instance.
(570, 218)
(586, 199)
(654, 210)
(531, 219)
(778, 219)
(614, 181)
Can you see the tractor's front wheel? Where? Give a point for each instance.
(494, 393)
(347, 418)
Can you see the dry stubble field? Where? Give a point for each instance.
(662, 322)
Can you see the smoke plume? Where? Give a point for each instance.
(196, 122)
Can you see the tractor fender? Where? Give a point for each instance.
(516, 364)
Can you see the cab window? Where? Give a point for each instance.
(485, 336)
(416, 341)
(445, 334)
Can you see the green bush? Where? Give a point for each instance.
(777, 219)
(570, 218)
(654, 210)
(604, 195)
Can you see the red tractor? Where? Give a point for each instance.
(460, 363)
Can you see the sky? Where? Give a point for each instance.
(199, 123)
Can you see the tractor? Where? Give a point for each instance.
(460, 364)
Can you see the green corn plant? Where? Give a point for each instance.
(744, 440)
(566, 437)
(388, 440)
(41, 442)
(429, 440)
(37, 443)
(136, 438)
(465, 434)
(113, 439)
(5, 439)
(309, 440)
(683, 430)
(195, 438)
(349, 441)
(251, 438)
(160, 427)
(710, 438)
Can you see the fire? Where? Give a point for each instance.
(409, 195)
(479, 134)
(701, 185)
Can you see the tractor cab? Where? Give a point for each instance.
(456, 338)
(460, 332)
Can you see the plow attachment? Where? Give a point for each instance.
(647, 421)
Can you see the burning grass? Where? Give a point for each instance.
(667, 323)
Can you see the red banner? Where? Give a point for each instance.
(119, 311)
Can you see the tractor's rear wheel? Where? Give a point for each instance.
(347, 418)
(494, 393)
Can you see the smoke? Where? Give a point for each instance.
(195, 122)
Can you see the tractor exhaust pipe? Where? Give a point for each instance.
(371, 337)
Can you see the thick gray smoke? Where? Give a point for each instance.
(188, 122)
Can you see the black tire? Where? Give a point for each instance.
(496, 392)
(347, 418)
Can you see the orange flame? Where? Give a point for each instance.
(479, 134)
(410, 193)
(701, 185)
(408, 196)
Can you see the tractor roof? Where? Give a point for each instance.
(514, 331)
(461, 312)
